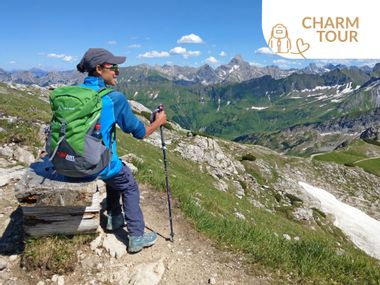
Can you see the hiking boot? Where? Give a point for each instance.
(135, 244)
(115, 222)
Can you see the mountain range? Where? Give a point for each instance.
(248, 103)
(237, 70)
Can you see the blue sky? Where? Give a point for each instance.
(55, 34)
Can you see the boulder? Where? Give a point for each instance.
(148, 273)
(23, 156)
(9, 174)
(40, 186)
(6, 151)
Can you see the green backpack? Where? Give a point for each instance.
(72, 144)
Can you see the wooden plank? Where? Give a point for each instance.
(48, 220)
(66, 227)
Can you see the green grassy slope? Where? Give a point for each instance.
(311, 260)
(359, 153)
(28, 111)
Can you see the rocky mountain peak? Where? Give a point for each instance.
(376, 68)
(237, 60)
(205, 67)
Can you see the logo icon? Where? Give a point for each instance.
(279, 42)
(66, 156)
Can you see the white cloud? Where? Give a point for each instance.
(333, 61)
(12, 62)
(283, 61)
(211, 60)
(253, 63)
(264, 50)
(134, 46)
(112, 42)
(154, 54)
(193, 53)
(285, 64)
(178, 50)
(369, 62)
(222, 53)
(348, 62)
(184, 52)
(67, 58)
(190, 39)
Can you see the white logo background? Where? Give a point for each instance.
(291, 13)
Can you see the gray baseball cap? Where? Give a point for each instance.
(95, 56)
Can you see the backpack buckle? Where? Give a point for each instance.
(63, 128)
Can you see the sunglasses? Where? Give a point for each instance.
(114, 68)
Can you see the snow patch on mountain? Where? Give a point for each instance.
(258, 108)
(363, 230)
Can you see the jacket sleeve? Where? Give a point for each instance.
(124, 116)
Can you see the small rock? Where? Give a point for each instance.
(170, 265)
(240, 193)
(61, 280)
(286, 236)
(211, 280)
(132, 167)
(114, 246)
(6, 151)
(40, 283)
(303, 214)
(147, 273)
(3, 265)
(96, 243)
(340, 251)
(239, 215)
(297, 238)
(8, 174)
(13, 257)
(23, 156)
(98, 251)
(54, 278)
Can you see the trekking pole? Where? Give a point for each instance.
(152, 118)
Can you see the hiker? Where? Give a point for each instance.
(102, 68)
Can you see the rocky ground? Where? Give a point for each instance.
(190, 259)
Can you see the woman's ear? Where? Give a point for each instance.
(98, 69)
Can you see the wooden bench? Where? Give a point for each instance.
(52, 204)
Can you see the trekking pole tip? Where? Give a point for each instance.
(171, 238)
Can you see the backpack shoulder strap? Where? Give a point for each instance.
(104, 91)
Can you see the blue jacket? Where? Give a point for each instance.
(115, 110)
